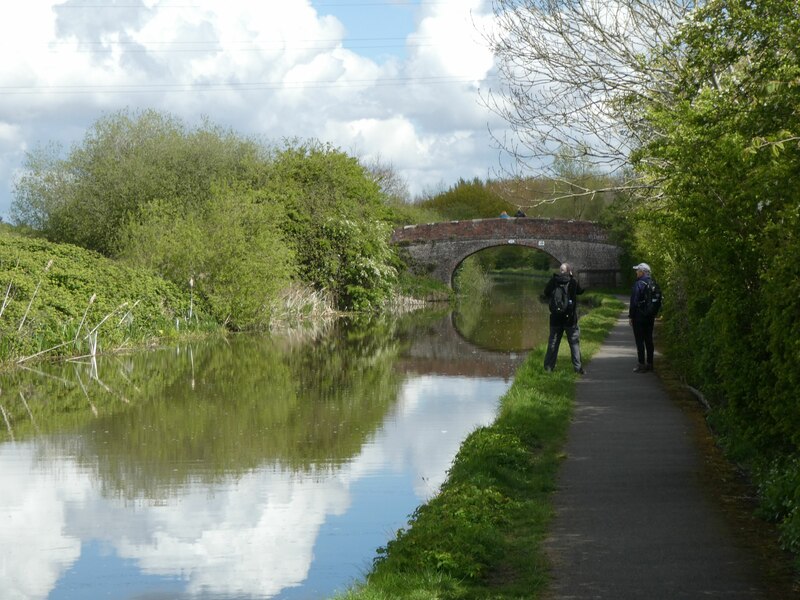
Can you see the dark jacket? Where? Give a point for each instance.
(574, 289)
(637, 297)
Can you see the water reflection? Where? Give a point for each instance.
(249, 468)
(510, 319)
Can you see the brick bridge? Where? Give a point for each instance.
(438, 248)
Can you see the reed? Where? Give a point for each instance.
(83, 319)
(33, 296)
(6, 299)
(8, 422)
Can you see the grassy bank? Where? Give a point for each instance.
(481, 536)
(60, 300)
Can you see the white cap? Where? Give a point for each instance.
(642, 267)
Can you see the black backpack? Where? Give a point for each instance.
(560, 302)
(650, 299)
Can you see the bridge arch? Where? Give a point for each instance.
(438, 248)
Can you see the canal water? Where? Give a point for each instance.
(245, 468)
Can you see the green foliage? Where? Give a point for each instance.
(471, 279)
(466, 537)
(232, 251)
(722, 234)
(779, 486)
(411, 213)
(134, 173)
(511, 257)
(54, 295)
(336, 222)
(468, 200)
(425, 288)
(357, 263)
(126, 161)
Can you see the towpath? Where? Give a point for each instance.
(637, 516)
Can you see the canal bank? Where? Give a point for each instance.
(482, 535)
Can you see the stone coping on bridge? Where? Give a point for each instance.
(521, 227)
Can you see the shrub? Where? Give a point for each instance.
(232, 251)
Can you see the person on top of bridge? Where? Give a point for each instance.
(563, 319)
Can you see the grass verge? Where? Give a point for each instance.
(481, 536)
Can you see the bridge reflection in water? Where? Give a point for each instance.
(442, 350)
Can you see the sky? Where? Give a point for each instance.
(398, 81)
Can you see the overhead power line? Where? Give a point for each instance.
(389, 4)
(185, 47)
(229, 86)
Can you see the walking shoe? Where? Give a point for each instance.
(640, 368)
(581, 371)
(548, 370)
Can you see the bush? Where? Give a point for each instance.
(232, 251)
(336, 222)
(209, 206)
(126, 161)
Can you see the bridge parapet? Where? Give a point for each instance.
(512, 228)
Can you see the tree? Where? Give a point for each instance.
(576, 73)
(394, 186)
(336, 222)
(126, 160)
(468, 200)
(724, 230)
(231, 251)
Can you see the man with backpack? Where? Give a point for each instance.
(644, 306)
(562, 294)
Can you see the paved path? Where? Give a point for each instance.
(634, 517)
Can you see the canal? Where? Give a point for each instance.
(246, 468)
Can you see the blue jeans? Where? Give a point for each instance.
(553, 343)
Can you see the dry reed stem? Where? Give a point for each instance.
(6, 299)
(104, 319)
(25, 358)
(80, 326)
(8, 423)
(33, 296)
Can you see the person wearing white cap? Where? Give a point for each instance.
(643, 324)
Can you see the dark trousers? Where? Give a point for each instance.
(574, 339)
(643, 334)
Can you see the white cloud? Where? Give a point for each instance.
(9, 133)
(394, 140)
(267, 69)
(459, 50)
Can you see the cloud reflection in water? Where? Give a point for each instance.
(250, 535)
